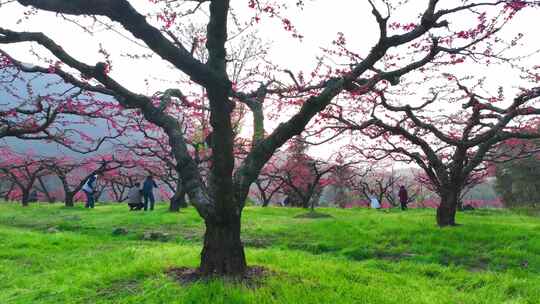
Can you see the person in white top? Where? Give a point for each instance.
(135, 197)
(88, 189)
(374, 201)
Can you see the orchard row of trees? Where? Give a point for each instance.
(293, 175)
(412, 96)
(55, 178)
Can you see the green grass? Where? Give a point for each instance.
(354, 256)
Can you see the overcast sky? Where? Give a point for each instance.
(319, 22)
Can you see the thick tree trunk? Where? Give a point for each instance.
(460, 205)
(341, 197)
(223, 251)
(266, 202)
(68, 201)
(446, 212)
(25, 198)
(178, 200)
(313, 197)
(306, 200)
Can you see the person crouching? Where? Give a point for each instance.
(135, 197)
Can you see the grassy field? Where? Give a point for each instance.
(51, 254)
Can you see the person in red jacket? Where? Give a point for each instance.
(403, 197)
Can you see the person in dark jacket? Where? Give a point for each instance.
(403, 197)
(148, 192)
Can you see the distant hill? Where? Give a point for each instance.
(33, 85)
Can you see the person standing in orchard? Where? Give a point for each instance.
(88, 189)
(148, 192)
(403, 197)
(374, 201)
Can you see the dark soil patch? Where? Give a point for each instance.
(313, 215)
(253, 278)
(432, 273)
(317, 248)
(119, 231)
(394, 256)
(52, 230)
(480, 265)
(72, 218)
(119, 287)
(192, 235)
(156, 236)
(256, 243)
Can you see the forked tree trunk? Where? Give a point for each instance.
(446, 212)
(223, 251)
(50, 199)
(178, 200)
